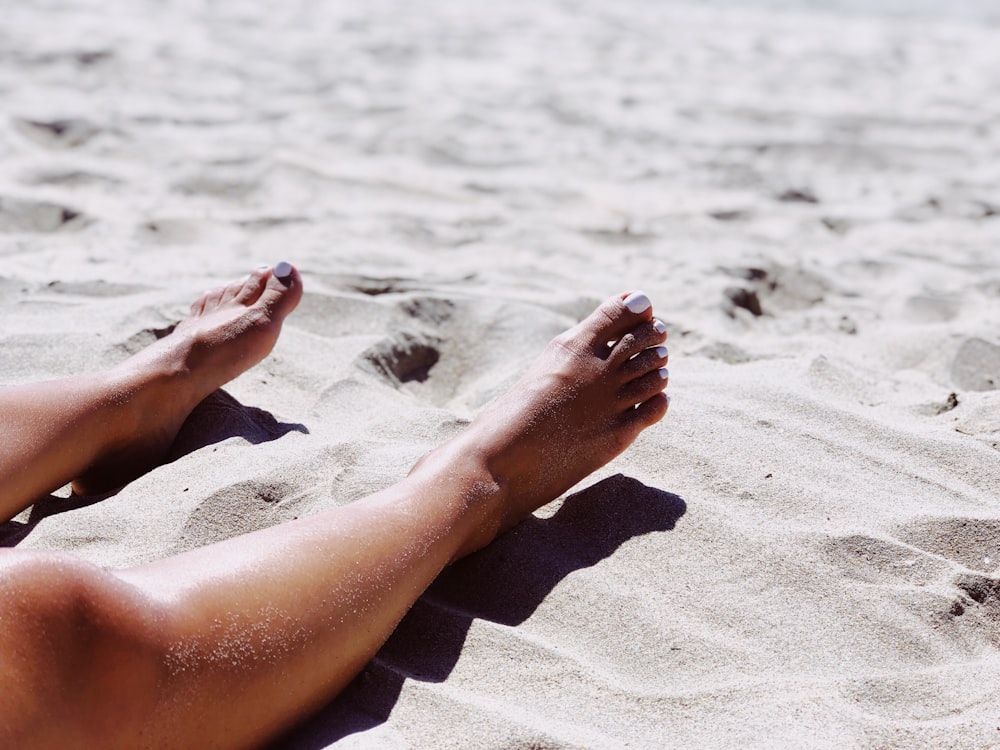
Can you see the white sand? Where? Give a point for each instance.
(804, 554)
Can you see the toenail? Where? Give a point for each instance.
(283, 270)
(637, 302)
(659, 327)
(664, 373)
(661, 352)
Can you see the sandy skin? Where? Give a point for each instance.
(280, 620)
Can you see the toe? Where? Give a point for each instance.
(213, 297)
(231, 290)
(646, 360)
(198, 306)
(609, 322)
(645, 387)
(252, 286)
(649, 412)
(638, 339)
(280, 295)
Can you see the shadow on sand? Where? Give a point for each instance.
(504, 583)
(217, 418)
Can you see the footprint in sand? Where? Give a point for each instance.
(411, 356)
(404, 358)
(430, 350)
(238, 508)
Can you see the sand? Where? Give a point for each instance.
(805, 553)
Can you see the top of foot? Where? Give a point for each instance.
(583, 401)
(229, 329)
(233, 327)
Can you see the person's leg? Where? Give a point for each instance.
(101, 430)
(232, 643)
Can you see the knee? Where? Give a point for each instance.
(76, 644)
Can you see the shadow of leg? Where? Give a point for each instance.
(504, 583)
(220, 417)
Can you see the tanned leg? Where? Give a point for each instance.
(228, 645)
(102, 430)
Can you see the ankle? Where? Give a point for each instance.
(477, 499)
(161, 378)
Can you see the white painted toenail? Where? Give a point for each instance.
(661, 352)
(659, 327)
(283, 270)
(664, 373)
(637, 302)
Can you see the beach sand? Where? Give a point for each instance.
(803, 554)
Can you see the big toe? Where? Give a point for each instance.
(612, 320)
(282, 291)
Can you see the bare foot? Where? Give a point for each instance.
(230, 329)
(580, 404)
